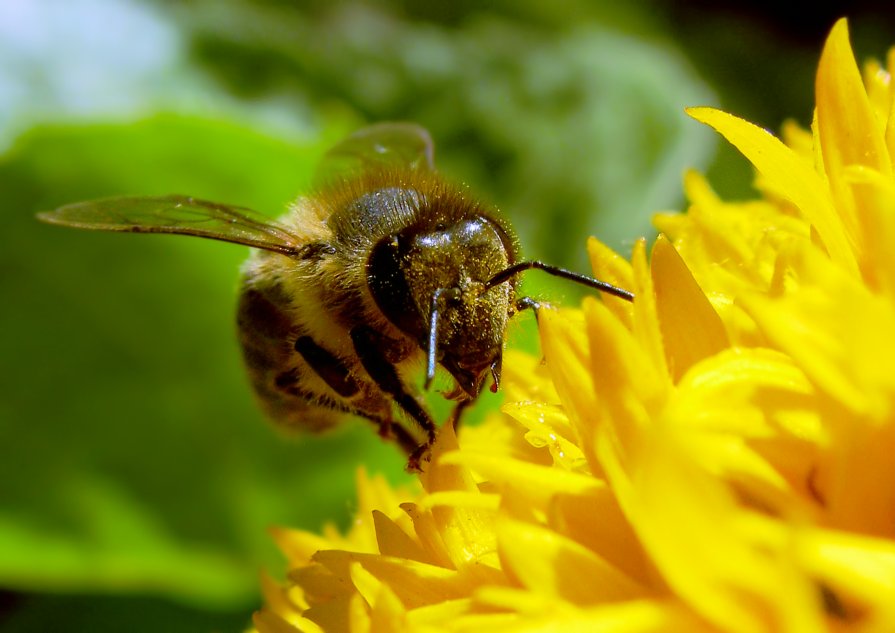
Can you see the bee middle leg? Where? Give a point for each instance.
(371, 350)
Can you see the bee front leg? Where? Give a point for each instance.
(371, 348)
(527, 303)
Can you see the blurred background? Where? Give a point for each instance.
(137, 477)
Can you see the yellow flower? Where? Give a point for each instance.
(715, 456)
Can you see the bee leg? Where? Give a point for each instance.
(328, 366)
(526, 303)
(388, 429)
(370, 348)
(421, 453)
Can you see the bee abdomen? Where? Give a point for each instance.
(265, 333)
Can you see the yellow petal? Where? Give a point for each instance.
(646, 318)
(567, 353)
(612, 268)
(850, 133)
(632, 616)
(461, 499)
(269, 622)
(467, 533)
(546, 562)
(859, 571)
(529, 604)
(526, 379)
(393, 541)
(287, 602)
(691, 329)
(755, 386)
(860, 495)
(358, 615)
(876, 218)
(890, 121)
(298, 546)
(382, 611)
(630, 384)
(877, 82)
(339, 613)
(798, 139)
(790, 175)
(539, 483)
(548, 427)
(706, 547)
(595, 520)
(415, 584)
(756, 417)
(839, 335)
(427, 531)
(373, 493)
(365, 583)
(323, 584)
(437, 617)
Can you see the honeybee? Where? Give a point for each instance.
(385, 267)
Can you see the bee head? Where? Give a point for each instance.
(430, 282)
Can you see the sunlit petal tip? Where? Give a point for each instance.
(609, 266)
(298, 546)
(645, 316)
(691, 329)
(791, 176)
(393, 541)
(849, 130)
(566, 351)
(698, 190)
(623, 374)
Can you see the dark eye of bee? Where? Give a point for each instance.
(388, 285)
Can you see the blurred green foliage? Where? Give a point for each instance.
(135, 468)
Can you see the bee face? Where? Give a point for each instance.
(434, 276)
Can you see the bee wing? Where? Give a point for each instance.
(183, 215)
(399, 144)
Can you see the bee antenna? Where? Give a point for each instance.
(507, 273)
(434, 315)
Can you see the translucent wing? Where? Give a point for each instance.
(399, 144)
(177, 214)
